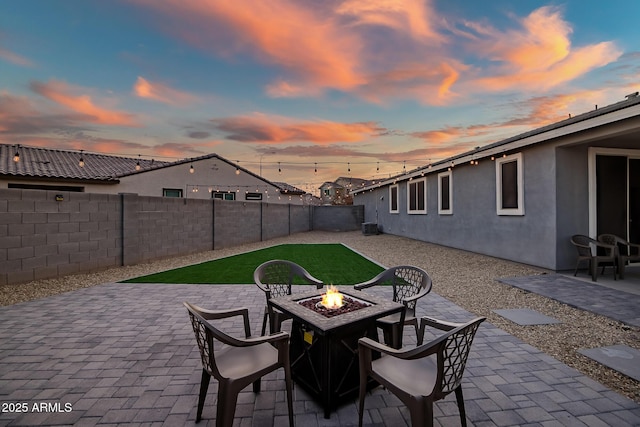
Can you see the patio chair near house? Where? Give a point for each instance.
(421, 375)
(409, 285)
(275, 278)
(586, 246)
(236, 362)
(625, 251)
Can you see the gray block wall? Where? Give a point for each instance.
(41, 237)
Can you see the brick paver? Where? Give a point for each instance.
(125, 354)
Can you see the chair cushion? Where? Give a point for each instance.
(237, 362)
(416, 377)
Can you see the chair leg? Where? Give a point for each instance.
(460, 399)
(363, 392)
(593, 269)
(289, 387)
(204, 386)
(421, 412)
(264, 322)
(256, 385)
(227, 399)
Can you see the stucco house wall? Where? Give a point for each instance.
(474, 224)
(559, 183)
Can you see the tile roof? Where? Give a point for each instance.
(37, 162)
(48, 163)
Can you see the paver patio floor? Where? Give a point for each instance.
(124, 354)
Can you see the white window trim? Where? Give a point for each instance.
(519, 182)
(416, 211)
(397, 209)
(450, 210)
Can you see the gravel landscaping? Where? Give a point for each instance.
(467, 279)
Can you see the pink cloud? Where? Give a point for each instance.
(274, 129)
(64, 95)
(413, 17)
(161, 93)
(14, 58)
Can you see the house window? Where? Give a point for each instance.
(393, 199)
(509, 185)
(417, 196)
(172, 192)
(223, 195)
(445, 193)
(253, 196)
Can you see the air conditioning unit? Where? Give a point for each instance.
(369, 228)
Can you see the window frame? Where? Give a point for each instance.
(395, 188)
(223, 195)
(253, 196)
(416, 182)
(178, 190)
(441, 210)
(519, 185)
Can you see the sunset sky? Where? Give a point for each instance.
(373, 86)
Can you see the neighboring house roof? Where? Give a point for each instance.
(532, 137)
(289, 189)
(45, 163)
(38, 162)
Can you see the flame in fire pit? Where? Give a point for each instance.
(332, 299)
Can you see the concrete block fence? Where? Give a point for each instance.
(46, 234)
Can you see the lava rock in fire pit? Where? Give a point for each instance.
(348, 305)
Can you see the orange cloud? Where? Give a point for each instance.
(280, 32)
(61, 94)
(162, 93)
(272, 129)
(537, 56)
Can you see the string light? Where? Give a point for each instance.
(191, 169)
(138, 167)
(16, 157)
(315, 168)
(81, 162)
(279, 169)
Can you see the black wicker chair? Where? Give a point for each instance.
(625, 251)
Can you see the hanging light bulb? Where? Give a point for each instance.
(315, 168)
(81, 162)
(348, 167)
(377, 167)
(279, 170)
(138, 167)
(237, 170)
(191, 169)
(16, 157)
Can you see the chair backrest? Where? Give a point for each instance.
(613, 240)
(206, 335)
(407, 281)
(452, 356)
(583, 244)
(277, 276)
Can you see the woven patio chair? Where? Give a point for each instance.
(236, 362)
(409, 284)
(626, 251)
(421, 375)
(275, 278)
(585, 246)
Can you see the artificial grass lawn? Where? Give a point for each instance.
(331, 263)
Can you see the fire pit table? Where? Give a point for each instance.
(324, 341)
